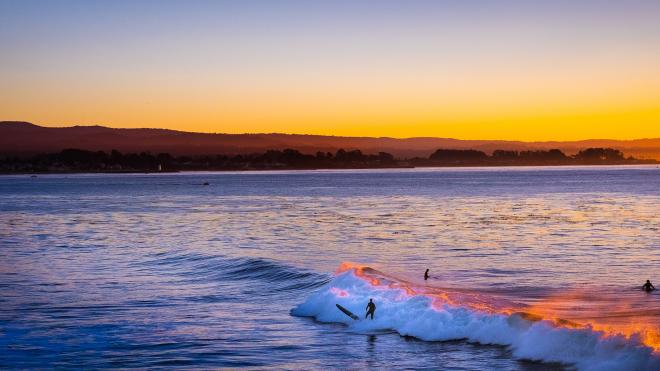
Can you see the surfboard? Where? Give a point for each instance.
(347, 312)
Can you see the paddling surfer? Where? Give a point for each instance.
(371, 308)
(648, 286)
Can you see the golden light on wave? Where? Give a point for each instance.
(611, 315)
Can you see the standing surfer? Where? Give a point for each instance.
(426, 275)
(648, 286)
(371, 308)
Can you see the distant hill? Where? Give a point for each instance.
(23, 138)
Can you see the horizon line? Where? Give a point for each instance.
(324, 135)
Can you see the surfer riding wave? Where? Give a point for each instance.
(435, 314)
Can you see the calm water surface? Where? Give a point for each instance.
(158, 270)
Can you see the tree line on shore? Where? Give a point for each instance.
(589, 156)
(77, 160)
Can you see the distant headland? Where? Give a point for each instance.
(27, 148)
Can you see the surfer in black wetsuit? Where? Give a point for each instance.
(371, 308)
(426, 275)
(648, 286)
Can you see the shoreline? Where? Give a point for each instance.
(280, 169)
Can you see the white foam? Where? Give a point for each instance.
(419, 316)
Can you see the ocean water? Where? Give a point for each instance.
(531, 269)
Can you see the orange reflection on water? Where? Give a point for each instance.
(613, 315)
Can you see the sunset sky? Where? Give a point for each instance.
(520, 70)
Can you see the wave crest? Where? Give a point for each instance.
(433, 314)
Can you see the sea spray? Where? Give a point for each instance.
(413, 311)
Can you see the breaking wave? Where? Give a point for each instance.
(433, 314)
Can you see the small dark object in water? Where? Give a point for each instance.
(206, 183)
(33, 176)
(648, 286)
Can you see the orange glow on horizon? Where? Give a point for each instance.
(530, 124)
(502, 103)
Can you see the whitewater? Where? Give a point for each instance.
(433, 314)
